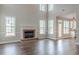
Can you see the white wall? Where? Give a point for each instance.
(26, 15)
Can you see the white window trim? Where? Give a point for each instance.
(10, 26)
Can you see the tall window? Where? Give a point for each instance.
(42, 7)
(42, 26)
(50, 7)
(50, 26)
(10, 26)
(66, 27)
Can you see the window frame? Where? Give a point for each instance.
(50, 26)
(10, 26)
(42, 28)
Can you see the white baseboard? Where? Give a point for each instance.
(9, 41)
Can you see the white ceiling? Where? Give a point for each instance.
(63, 9)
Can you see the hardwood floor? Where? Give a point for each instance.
(40, 47)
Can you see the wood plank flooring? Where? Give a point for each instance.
(40, 47)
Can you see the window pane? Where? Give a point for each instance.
(8, 30)
(13, 29)
(10, 26)
(66, 27)
(50, 7)
(42, 7)
(42, 30)
(50, 26)
(50, 31)
(13, 21)
(42, 26)
(42, 23)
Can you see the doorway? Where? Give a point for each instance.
(66, 28)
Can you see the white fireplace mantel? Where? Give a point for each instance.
(28, 28)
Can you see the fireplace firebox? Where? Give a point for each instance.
(28, 33)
